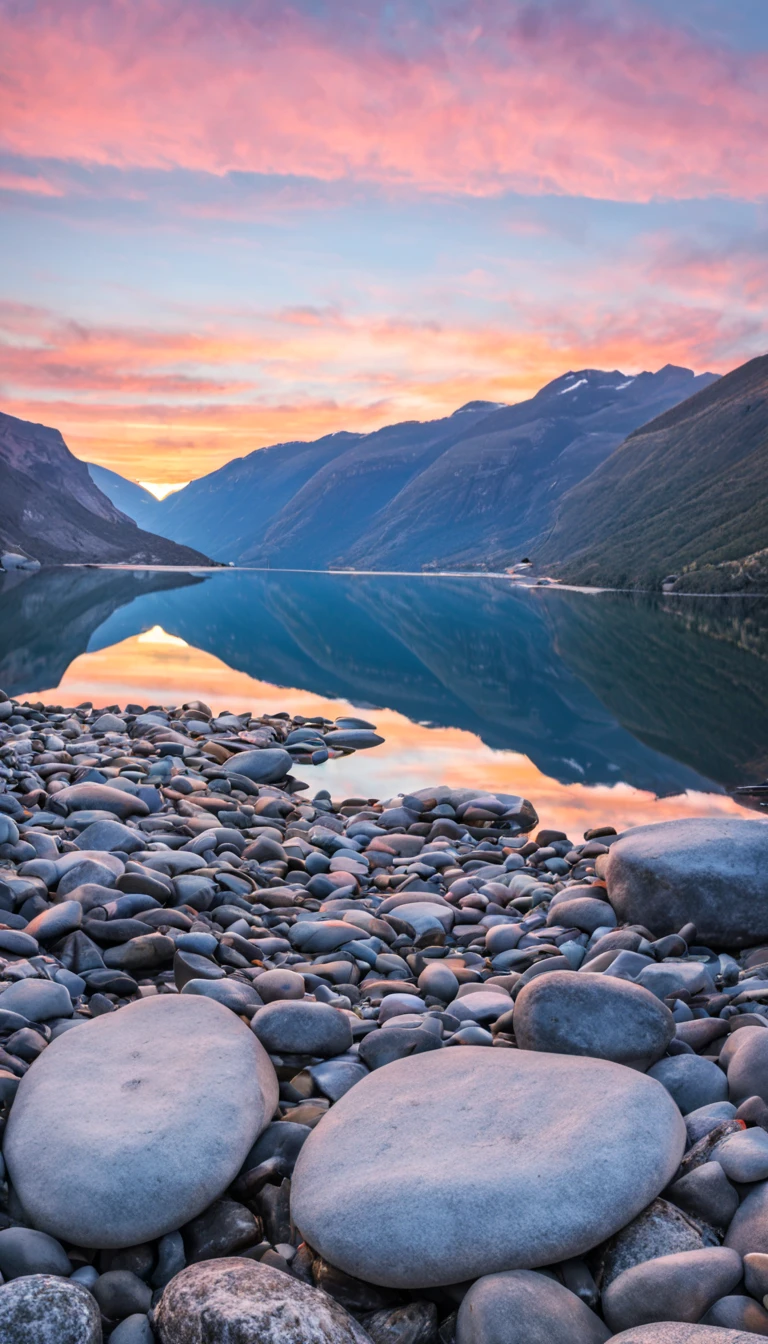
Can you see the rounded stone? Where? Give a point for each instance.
(48, 1310)
(706, 870)
(294, 1028)
(748, 1231)
(522, 1307)
(25, 1251)
(581, 1013)
(548, 1155)
(263, 766)
(274, 986)
(691, 1080)
(126, 1130)
(747, 1064)
(671, 1287)
(236, 1299)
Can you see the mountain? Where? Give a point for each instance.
(131, 499)
(685, 495)
(491, 493)
(229, 509)
(473, 489)
(51, 510)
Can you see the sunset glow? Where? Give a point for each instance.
(263, 223)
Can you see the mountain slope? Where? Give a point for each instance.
(230, 510)
(131, 499)
(484, 500)
(333, 510)
(470, 490)
(687, 494)
(51, 510)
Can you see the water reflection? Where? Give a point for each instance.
(663, 695)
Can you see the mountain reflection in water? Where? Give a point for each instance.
(665, 694)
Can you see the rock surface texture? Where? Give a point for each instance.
(128, 1129)
(526, 1184)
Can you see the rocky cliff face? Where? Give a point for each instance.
(51, 510)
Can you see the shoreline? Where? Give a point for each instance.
(362, 995)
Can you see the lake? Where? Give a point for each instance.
(606, 707)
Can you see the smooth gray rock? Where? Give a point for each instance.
(702, 1121)
(43, 1309)
(37, 1000)
(231, 1300)
(522, 1307)
(129, 1127)
(133, 1330)
(109, 836)
(747, 1064)
(706, 1193)
(583, 912)
(77, 797)
(735, 1312)
(744, 1156)
(748, 1231)
(691, 1080)
(710, 871)
(485, 1006)
(57, 922)
(439, 981)
(678, 1287)
(233, 994)
(578, 1013)
(297, 1028)
(322, 935)
(522, 1135)
(25, 1251)
(274, 986)
(264, 766)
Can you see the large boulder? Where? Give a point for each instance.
(43, 1309)
(131, 1126)
(706, 870)
(580, 1013)
(235, 1300)
(523, 1307)
(478, 1160)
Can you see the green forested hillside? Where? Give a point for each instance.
(687, 494)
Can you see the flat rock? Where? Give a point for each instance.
(548, 1155)
(43, 1309)
(102, 798)
(678, 1287)
(131, 1126)
(522, 1307)
(576, 1013)
(298, 1028)
(710, 871)
(263, 766)
(37, 1000)
(234, 1299)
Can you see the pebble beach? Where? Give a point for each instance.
(290, 1069)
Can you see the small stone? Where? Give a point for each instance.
(133, 1330)
(748, 1231)
(37, 1000)
(264, 766)
(521, 1307)
(691, 1080)
(302, 1028)
(706, 1193)
(274, 986)
(24, 1251)
(744, 1156)
(120, 1293)
(737, 1313)
(414, 1323)
(678, 1287)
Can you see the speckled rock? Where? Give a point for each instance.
(235, 1300)
(43, 1309)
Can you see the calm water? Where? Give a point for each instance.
(598, 707)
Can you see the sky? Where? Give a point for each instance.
(228, 223)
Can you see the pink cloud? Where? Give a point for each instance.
(479, 98)
(29, 184)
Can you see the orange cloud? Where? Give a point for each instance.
(477, 98)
